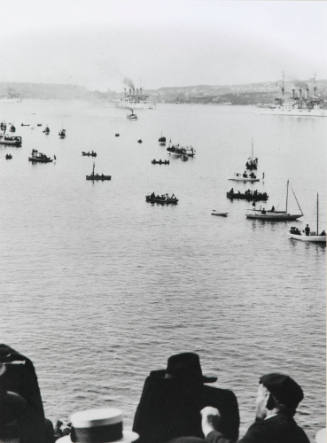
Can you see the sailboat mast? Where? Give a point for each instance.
(317, 214)
(287, 195)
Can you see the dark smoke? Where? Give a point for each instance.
(128, 82)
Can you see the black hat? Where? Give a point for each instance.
(283, 388)
(187, 365)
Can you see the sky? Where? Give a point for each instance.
(156, 43)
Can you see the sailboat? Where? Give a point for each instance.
(252, 161)
(249, 175)
(272, 214)
(310, 236)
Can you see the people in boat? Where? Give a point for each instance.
(272, 209)
(277, 398)
(323, 232)
(172, 398)
(245, 174)
(307, 230)
(263, 211)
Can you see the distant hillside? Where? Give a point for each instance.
(246, 94)
(48, 91)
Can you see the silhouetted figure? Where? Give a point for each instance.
(172, 399)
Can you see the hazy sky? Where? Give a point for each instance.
(96, 43)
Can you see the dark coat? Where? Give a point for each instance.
(20, 377)
(277, 429)
(170, 408)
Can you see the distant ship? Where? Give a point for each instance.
(134, 98)
(300, 103)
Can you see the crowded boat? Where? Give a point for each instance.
(89, 153)
(160, 162)
(163, 199)
(39, 157)
(248, 195)
(11, 140)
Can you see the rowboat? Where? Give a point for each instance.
(219, 214)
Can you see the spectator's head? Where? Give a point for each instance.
(277, 393)
(186, 366)
(98, 426)
(12, 407)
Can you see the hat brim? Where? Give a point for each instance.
(128, 437)
(209, 379)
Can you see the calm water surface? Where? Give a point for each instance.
(98, 287)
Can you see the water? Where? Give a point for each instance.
(99, 287)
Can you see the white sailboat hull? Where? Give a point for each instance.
(272, 216)
(309, 238)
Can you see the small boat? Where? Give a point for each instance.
(160, 162)
(39, 124)
(46, 130)
(139, 140)
(163, 199)
(219, 214)
(180, 151)
(245, 178)
(132, 116)
(25, 124)
(12, 128)
(89, 153)
(247, 195)
(117, 134)
(272, 214)
(308, 235)
(162, 139)
(11, 140)
(62, 133)
(97, 177)
(38, 157)
(8, 156)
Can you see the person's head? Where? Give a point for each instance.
(277, 393)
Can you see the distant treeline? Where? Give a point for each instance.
(247, 94)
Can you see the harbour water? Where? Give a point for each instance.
(98, 287)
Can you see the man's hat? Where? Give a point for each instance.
(187, 365)
(284, 389)
(98, 426)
